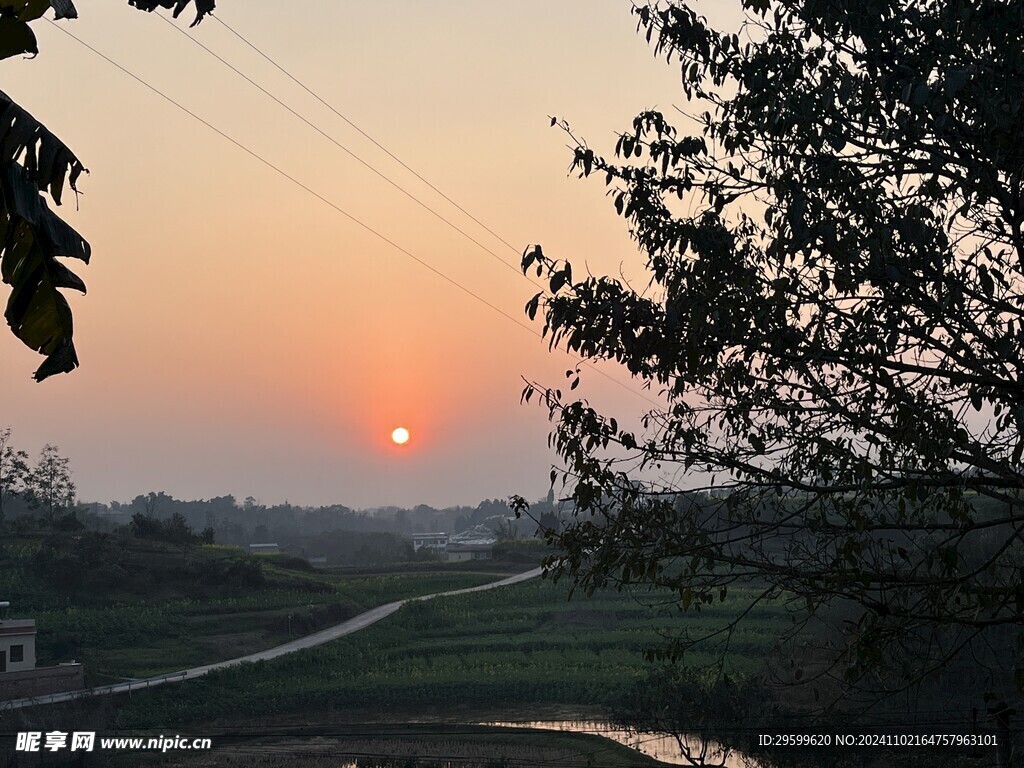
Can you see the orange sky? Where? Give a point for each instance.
(242, 337)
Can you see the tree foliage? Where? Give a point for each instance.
(833, 236)
(203, 7)
(48, 484)
(13, 471)
(174, 530)
(34, 165)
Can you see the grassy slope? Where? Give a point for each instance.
(131, 608)
(507, 654)
(517, 647)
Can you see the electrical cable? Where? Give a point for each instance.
(345, 149)
(252, 153)
(363, 133)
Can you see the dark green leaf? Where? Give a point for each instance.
(16, 38)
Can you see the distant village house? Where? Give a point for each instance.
(475, 551)
(433, 541)
(17, 645)
(19, 675)
(475, 544)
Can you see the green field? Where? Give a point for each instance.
(139, 639)
(510, 653)
(525, 647)
(128, 608)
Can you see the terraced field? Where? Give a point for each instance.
(524, 646)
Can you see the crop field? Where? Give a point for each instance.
(161, 610)
(520, 647)
(141, 638)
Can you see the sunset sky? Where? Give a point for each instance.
(241, 336)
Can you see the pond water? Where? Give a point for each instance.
(661, 746)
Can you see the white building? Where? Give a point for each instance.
(476, 551)
(476, 543)
(19, 675)
(435, 541)
(17, 645)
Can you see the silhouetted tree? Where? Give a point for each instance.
(179, 533)
(174, 530)
(48, 484)
(548, 522)
(13, 468)
(34, 162)
(145, 527)
(835, 247)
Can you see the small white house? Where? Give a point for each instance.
(476, 551)
(476, 543)
(435, 541)
(19, 675)
(17, 645)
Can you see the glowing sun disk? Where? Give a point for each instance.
(400, 436)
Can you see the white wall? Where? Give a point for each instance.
(28, 642)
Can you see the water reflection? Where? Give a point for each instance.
(690, 749)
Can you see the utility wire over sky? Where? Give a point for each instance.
(348, 151)
(280, 171)
(363, 133)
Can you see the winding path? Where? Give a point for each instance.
(362, 621)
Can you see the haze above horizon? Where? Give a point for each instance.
(242, 337)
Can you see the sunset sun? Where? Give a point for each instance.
(400, 436)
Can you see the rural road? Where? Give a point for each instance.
(362, 621)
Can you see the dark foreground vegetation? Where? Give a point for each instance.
(407, 688)
(523, 646)
(830, 225)
(523, 651)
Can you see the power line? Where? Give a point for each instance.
(363, 133)
(346, 150)
(390, 154)
(298, 183)
(255, 155)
